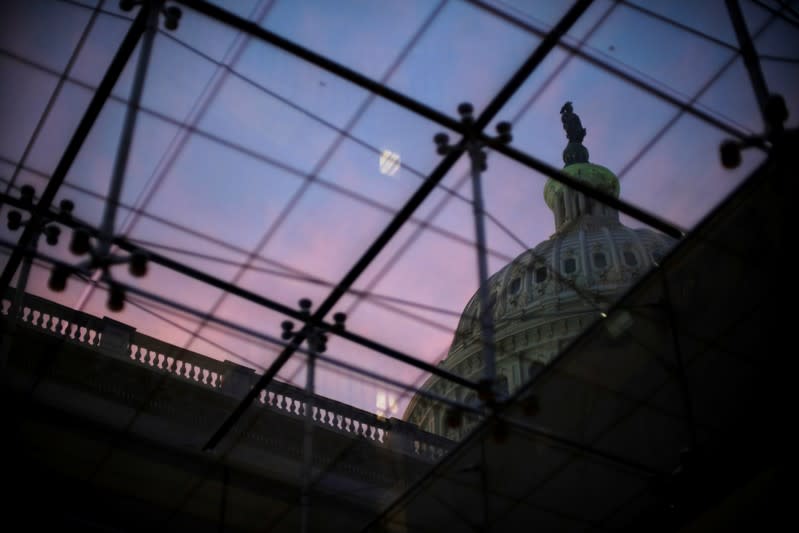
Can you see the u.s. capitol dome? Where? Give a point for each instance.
(545, 297)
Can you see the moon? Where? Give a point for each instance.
(389, 162)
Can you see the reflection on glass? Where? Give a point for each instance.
(389, 163)
(386, 404)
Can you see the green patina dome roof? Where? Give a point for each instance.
(595, 176)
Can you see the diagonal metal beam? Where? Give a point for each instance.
(254, 30)
(99, 99)
(607, 199)
(617, 72)
(749, 55)
(204, 277)
(538, 55)
(429, 113)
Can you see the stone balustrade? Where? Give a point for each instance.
(175, 360)
(121, 341)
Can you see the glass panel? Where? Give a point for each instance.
(59, 27)
(382, 30)
(491, 49)
(22, 103)
(665, 179)
(275, 177)
(643, 52)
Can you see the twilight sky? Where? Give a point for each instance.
(263, 170)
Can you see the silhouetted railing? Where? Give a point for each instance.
(175, 360)
(118, 340)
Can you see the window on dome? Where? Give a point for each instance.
(471, 399)
(515, 286)
(630, 258)
(570, 265)
(502, 385)
(600, 260)
(540, 274)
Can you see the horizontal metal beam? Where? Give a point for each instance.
(204, 277)
(255, 334)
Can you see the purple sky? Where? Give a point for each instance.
(250, 152)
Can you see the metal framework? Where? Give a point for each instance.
(315, 324)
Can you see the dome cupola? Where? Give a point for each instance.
(567, 204)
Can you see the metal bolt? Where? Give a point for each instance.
(116, 298)
(80, 242)
(58, 278)
(503, 129)
(172, 17)
(67, 206)
(138, 264)
(288, 330)
(730, 154)
(339, 319)
(14, 220)
(51, 234)
(26, 194)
